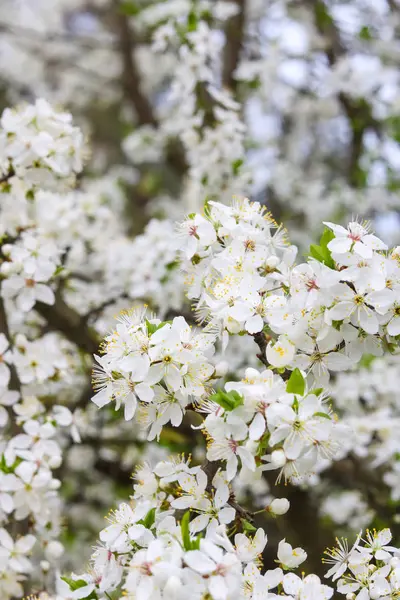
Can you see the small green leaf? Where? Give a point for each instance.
(129, 8)
(365, 33)
(322, 414)
(192, 21)
(236, 166)
(247, 526)
(185, 531)
(326, 237)
(296, 383)
(316, 252)
(77, 585)
(316, 391)
(152, 327)
(149, 519)
(172, 265)
(227, 400)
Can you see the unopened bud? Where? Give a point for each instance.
(394, 562)
(222, 368)
(278, 458)
(279, 506)
(45, 566)
(54, 550)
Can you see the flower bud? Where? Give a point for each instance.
(278, 458)
(222, 368)
(45, 566)
(394, 562)
(6, 268)
(279, 506)
(54, 550)
(55, 462)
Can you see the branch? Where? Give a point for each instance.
(131, 75)
(262, 341)
(14, 384)
(133, 88)
(85, 41)
(359, 113)
(97, 310)
(234, 42)
(7, 176)
(62, 318)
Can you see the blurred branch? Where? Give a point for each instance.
(234, 42)
(359, 113)
(132, 85)
(353, 474)
(62, 318)
(84, 41)
(14, 384)
(131, 74)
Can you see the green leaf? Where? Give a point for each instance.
(192, 21)
(227, 400)
(237, 165)
(185, 531)
(172, 265)
(247, 526)
(367, 360)
(322, 414)
(365, 33)
(326, 237)
(296, 383)
(149, 519)
(152, 327)
(322, 252)
(129, 8)
(317, 253)
(77, 585)
(316, 391)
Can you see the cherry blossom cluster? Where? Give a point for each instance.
(147, 551)
(369, 569)
(40, 145)
(153, 367)
(30, 262)
(209, 124)
(262, 419)
(29, 490)
(321, 316)
(236, 257)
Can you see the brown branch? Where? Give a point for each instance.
(358, 112)
(62, 318)
(7, 176)
(234, 42)
(133, 88)
(262, 341)
(14, 384)
(131, 78)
